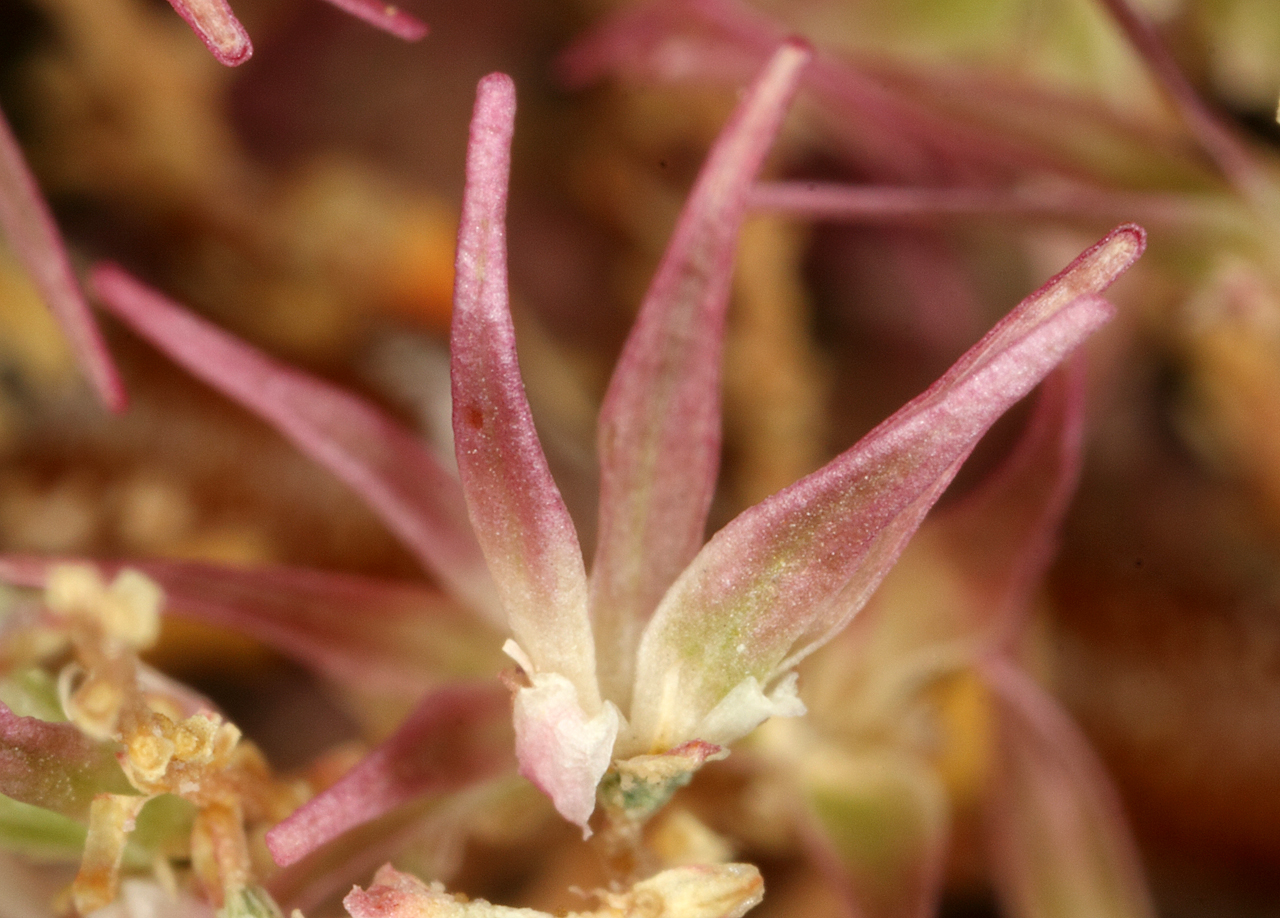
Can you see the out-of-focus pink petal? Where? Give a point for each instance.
(55, 766)
(519, 516)
(417, 497)
(683, 40)
(385, 16)
(458, 736)
(883, 817)
(30, 230)
(659, 439)
(1061, 842)
(787, 574)
(382, 636)
(218, 28)
(892, 204)
(1217, 138)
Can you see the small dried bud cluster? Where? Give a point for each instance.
(170, 742)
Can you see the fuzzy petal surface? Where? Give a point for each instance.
(54, 766)
(517, 511)
(659, 439)
(789, 573)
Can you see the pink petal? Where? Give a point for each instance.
(417, 497)
(381, 636)
(700, 40)
(1061, 843)
(787, 574)
(519, 516)
(561, 749)
(889, 204)
(458, 736)
(218, 28)
(659, 439)
(385, 16)
(30, 230)
(55, 766)
(1002, 537)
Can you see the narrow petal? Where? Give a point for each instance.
(31, 232)
(966, 580)
(218, 28)
(659, 440)
(1061, 843)
(458, 736)
(416, 496)
(54, 766)
(516, 508)
(385, 16)
(1005, 534)
(787, 574)
(382, 636)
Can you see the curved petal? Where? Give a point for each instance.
(659, 439)
(456, 737)
(55, 766)
(786, 575)
(1061, 844)
(30, 230)
(417, 497)
(519, 516)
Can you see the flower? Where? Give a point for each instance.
(669, 644)
(671, 650)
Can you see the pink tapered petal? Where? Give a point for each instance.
(659, 439)
(378, 636)
(31, 232)
(416, 496)
(458, 736)
(519, 516)
(984, 556)
(55, 766)
(1060, 838)
(786, 575)
(218, 28)
(385, 16)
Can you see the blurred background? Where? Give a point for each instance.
(307, 201)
